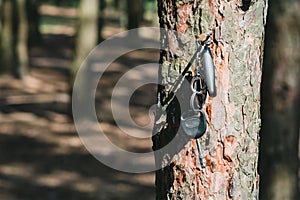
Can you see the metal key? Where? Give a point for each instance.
(201, 156)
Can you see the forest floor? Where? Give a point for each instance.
(41, 155)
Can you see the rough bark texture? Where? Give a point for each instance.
(280, 102)
(231, 141)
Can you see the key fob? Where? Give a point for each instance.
(193, 123)
(209, 70)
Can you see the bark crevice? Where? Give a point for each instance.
(246, 5)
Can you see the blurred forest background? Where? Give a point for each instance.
(42, 44)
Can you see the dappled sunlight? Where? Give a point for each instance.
(58, 29)
(125, 141)
(50, 62)
(42, 155)
(17, 169)
(58, 11)
(140, 103)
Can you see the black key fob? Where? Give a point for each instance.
(193, 123)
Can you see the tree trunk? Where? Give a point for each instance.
(7, 42)
(1, 29)
(134, 13)
(33, 17)
(14, 40)
(280, 103)
(134, 17)
(101, 17)
(1, 2)
(86, 40)
(230, 144)
(21, 68)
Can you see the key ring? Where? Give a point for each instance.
(193, 100)
(194, 86)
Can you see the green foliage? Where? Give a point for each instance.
(54, 20)
(150, 6)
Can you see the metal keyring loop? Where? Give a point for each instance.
(192, 103)
(194, 80)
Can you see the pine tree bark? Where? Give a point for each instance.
(280, 103)
(230, 144)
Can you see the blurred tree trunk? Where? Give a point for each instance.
(102, 6)
(1, 29)
(7, 42)
(134, 16)
(21, 68)
(230, 144)
(280, 103)
(14, 38)
(86, 40)
(1, 1)
(134, 13)
(86, 37)
(116, 4)
(33, 16)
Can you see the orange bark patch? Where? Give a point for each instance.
(219, 159)
(184, 12)
(209, 111)
(179, 177)
(221, 56)
(209, 3)
(202, 37)
(208, 160)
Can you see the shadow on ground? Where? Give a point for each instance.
(41, 155)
